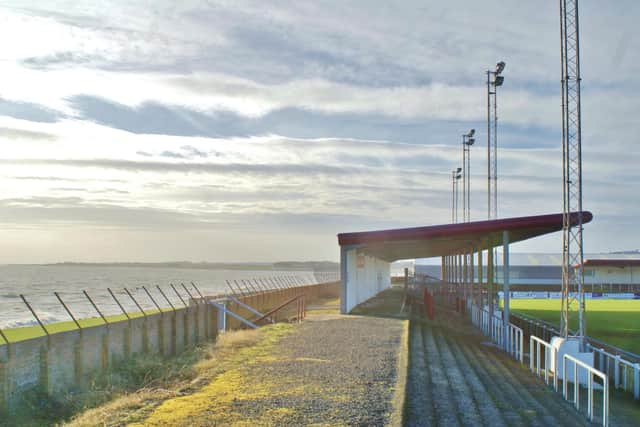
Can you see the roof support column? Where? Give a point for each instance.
(443, 268)
(445, 277)
(465, 274)
(471, 275)
(490, 279)
(479, 301)
(505, 288)
(454, 259)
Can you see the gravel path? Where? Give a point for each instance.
(332, 370)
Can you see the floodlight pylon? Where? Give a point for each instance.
(572, 239)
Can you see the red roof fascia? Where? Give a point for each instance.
(552, 221)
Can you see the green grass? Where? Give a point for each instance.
(29, 332)
(616, 322)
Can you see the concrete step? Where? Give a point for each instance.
(419, 409)
(456, 380)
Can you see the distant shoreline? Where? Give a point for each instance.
(327, 266)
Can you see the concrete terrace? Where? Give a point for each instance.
(456, 377)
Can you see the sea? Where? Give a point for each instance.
(39, 283)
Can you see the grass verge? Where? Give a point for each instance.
(133, 408)
(147, 372)
(226, 382)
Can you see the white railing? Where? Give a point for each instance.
(626, 375)
(516, 342)
(497, 331)
(576, 387)
(494, 328)
(621, 366)
(536, 347)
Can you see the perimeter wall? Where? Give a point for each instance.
(66, 362)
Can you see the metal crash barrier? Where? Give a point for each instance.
(542, 350)
(576, 387)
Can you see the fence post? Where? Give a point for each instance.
(160, 321)
(44, 350)
(78, 345)
(127, 331)
(601, 360)
(196, 314)
(185, 319)
(206, 320)
(616, 373)
(636, 380)
(145, 326)
(173, 320)
(222, 316)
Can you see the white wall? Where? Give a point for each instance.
(615, 275)
(363, 277)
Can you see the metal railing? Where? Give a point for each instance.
(626, 374)
(300, 307)
(516, 342)
(536, 345)
(622, 366)
(576, 387)
(511, 340)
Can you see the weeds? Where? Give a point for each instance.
(147, 372)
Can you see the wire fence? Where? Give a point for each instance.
(65, 310)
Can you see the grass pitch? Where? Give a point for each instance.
(616, 322)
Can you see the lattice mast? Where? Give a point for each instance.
(494, 80)
(492, 150)
(572, 254)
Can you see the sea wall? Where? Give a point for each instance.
(66, 361)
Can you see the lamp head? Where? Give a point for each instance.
(458, 170)
(470, 141)
(498, 81)
(500, 67)
(471, 133)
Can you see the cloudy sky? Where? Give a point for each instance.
(236, 130)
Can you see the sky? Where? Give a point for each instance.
(256, 131)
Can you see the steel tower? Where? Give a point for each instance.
(494, 79)
(572, 255)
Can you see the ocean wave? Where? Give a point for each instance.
(22, 322)
(10, 295)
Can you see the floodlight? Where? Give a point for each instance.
(458, 170)
(470, 141)
(499, 67)
(471, 133)
(498, 81)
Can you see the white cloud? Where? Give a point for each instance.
(410, 63)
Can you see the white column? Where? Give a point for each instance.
(505, 287)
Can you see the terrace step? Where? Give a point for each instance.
(457, 380)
